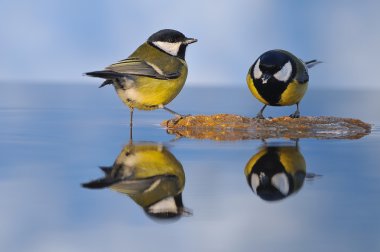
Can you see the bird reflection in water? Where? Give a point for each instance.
(150, 175)
(276, 172)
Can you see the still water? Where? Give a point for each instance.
(314, 195)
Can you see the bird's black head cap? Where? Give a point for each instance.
(167, 35)
(171, 42)
(272, 61)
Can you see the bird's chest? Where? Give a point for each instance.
(293, 93)
(271, 91)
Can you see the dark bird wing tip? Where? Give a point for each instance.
(90, 73)
(89, 185)
(94, 185)
(106, 74)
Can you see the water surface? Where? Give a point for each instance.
(54, 137)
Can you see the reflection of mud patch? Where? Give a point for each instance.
(234, 127)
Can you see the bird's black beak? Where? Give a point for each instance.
(189, 41)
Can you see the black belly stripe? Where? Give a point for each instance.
(269, 163)
(271, 91)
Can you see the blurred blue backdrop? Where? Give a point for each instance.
(56, 40)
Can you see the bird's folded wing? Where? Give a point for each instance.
(136, 66)
(142, 185)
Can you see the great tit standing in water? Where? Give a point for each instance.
(153, 75)
(276, 172)
(278, 78)
(150, 175)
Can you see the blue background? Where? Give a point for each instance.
(56, 41)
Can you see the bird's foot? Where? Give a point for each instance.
(183, 116)
(177, 136)
(264, 141)
(295, 115)
(260, 116)
(178, 117)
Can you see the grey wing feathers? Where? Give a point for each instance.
(303, 75)
(135, 66)
(141, 185)
(133, 186)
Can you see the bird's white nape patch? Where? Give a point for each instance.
(171, 48)
(166, 205)
(285, 72)
(255, 182)
(256, 70)
(280, 181)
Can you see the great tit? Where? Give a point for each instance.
(153, 75)
(278, 78)
(150, 175)
(276, 172)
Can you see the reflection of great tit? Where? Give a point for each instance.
(275, 173)
(153, 75)
(278, 78)
(150, 175)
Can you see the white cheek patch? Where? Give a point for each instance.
(256, 70)
(255, 182)
(165, 205)
(280, 181)
(171, 48)
(285, 72)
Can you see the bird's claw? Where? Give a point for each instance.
(177, 118)
(295, 115)
(260, 116)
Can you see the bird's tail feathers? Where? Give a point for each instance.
(106, 169)
(312, 63)
(109, 75)
(106, 82)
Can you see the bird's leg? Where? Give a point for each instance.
(260, 114)
(264, 141)
(297, 113)
(177, 137)
(179, 116)
(130, 123)
(296, 140)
